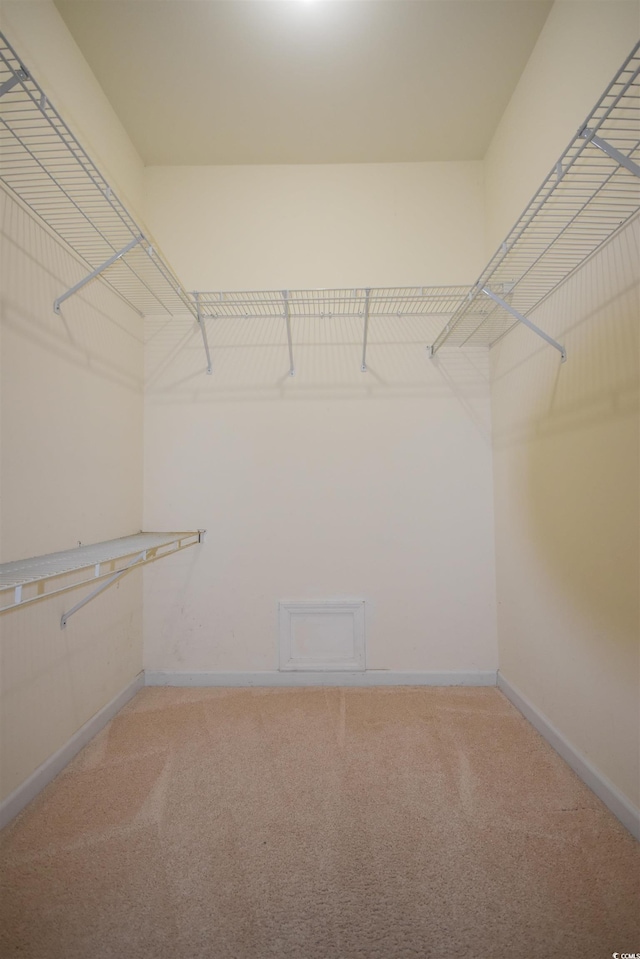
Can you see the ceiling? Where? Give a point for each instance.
(307, 81)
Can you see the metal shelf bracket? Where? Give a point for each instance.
(610, 150)
(287, 317)
(96, 272)
(9, 84)
(367, 294)
(100, 589)
(527, 322)
(203, 330)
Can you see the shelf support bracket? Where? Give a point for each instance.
(203, 330)
(367, 294)
(96, 272)
(100, 589)
(527, 322)
(611, 151)
(287, 317)
(13, 81)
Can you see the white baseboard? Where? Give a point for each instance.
(604, 789)
(368, 677)
(29, 789)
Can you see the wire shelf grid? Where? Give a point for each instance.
(591, 192)
(44, 165)
(324, 304)
(34, 578)
(585, 199)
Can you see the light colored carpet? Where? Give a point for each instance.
(318, 824)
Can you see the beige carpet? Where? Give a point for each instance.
(318, 824)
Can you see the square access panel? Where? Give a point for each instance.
(322, 634)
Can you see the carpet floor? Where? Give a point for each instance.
(380, 823)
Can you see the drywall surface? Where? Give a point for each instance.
(566, 436)
(328, 485)
(72, 399)
(70, 471)
(41, 38)
(566, 500)
(304, 227)
(580, 49)
(333, 483)
(70, 430)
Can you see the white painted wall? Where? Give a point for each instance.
(307, 227)
(581, 46)
(566, 438)
(70, 440)
(332, 483)
(71, 470)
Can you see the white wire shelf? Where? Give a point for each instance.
(28, 580)
(592, 191)
(391, 301)
(364, 302)
(44, 165)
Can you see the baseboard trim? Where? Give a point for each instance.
(604, 789)
(29, 789)
(368, 677)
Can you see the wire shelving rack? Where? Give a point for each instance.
(382, 301)
(29, 580)
(592, 191)
(43, 164)
(362, 302)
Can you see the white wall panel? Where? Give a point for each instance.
(332, 482)
(566, 437)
